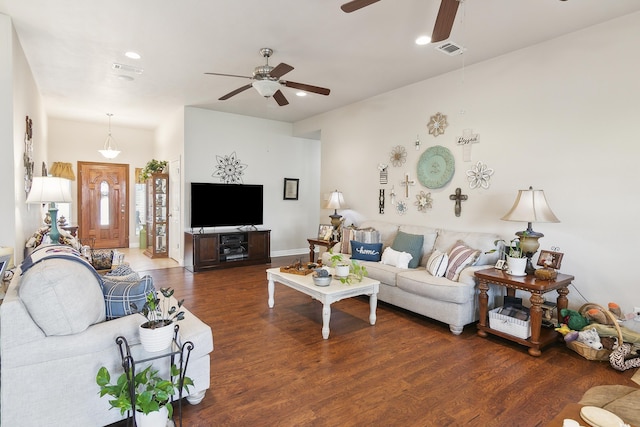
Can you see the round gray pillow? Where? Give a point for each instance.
(63, 297)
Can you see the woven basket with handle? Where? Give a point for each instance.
(588, 352)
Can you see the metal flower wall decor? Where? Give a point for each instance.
(423, 201)
(229, 169)
(437, 124)
(479, 176)
(398, 155)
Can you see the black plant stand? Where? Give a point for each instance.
(135, 355)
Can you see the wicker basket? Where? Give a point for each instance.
(588, 352)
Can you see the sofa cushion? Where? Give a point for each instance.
(385, 273)
(62, 296)
(420, 282)
(396, 258)
(437, 264)
(484, 242)
(460, 257)
(119, 293)
(366, 251)
(430, 235)
(387, 230)
(411, 243)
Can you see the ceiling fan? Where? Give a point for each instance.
(444, 20)
(268, 83)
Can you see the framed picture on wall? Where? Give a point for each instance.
(291, 188)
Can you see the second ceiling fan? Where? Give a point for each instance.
(268, 83)
(444, 21)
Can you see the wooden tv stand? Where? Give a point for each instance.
(207, 251)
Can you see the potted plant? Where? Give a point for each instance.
(152, 394)
(341, 266)
(152, 166)
(357, 272)
(157, 332)
(516, 258)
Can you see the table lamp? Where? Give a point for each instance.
(530, 206)
(52, 190)
(336, 201)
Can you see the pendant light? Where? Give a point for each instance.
(110, 149)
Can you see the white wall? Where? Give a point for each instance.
(271, 154)
(560, 116)
(72, 141)
(19, 98)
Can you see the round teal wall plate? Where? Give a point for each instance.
(436, 167)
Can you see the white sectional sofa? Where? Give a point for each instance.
(54, 337)
(453, 302)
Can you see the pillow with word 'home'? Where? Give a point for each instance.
(366, 251)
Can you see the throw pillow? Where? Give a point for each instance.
(395, 258)
(411, 243)
(460, 257)
(101, 259)
(119, 294)
(437, 263)
(366, 251)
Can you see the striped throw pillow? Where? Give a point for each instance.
(437, 264)
(460, 257)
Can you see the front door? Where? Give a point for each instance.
(103, 213)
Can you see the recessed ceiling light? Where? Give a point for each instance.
(301, 93)
(132, 55)
(422, 40)
(125, 78)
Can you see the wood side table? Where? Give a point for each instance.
(539, 337)
(312, 246)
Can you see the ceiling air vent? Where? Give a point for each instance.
(128, 68)
(450, 48)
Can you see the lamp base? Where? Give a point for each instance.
(54, 233)
(335, 222)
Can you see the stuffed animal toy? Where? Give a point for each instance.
(589, 337)
(624, 357)
(573, 319)
(563, 329)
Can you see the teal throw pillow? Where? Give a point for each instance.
(410, 243)
(366, 251)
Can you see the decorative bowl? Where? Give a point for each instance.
(322, 281)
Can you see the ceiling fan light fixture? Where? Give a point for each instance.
(266, 87)
(423, 40)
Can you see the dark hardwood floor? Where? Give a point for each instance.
(271, 367)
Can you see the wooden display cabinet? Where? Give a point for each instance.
(157, 216)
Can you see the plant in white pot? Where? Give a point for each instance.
(516, 258)
(157, 332)
(152, 394)
(341, 267)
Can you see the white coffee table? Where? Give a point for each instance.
(327, 295)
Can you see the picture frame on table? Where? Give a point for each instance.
(550, 259)
(325, 232)
(291, 188)
(501, 264)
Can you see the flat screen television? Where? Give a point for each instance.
(220, 205)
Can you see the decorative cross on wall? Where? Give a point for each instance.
(458, 197)
(467, 138)
(407, 182)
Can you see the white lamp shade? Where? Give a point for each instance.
(530, 206)
(48, 189)
(336, 201)
(266, 87)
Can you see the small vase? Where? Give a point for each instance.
(156, 339)
(516, 266)
(153, 419)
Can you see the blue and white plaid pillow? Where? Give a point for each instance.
(119, 294)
